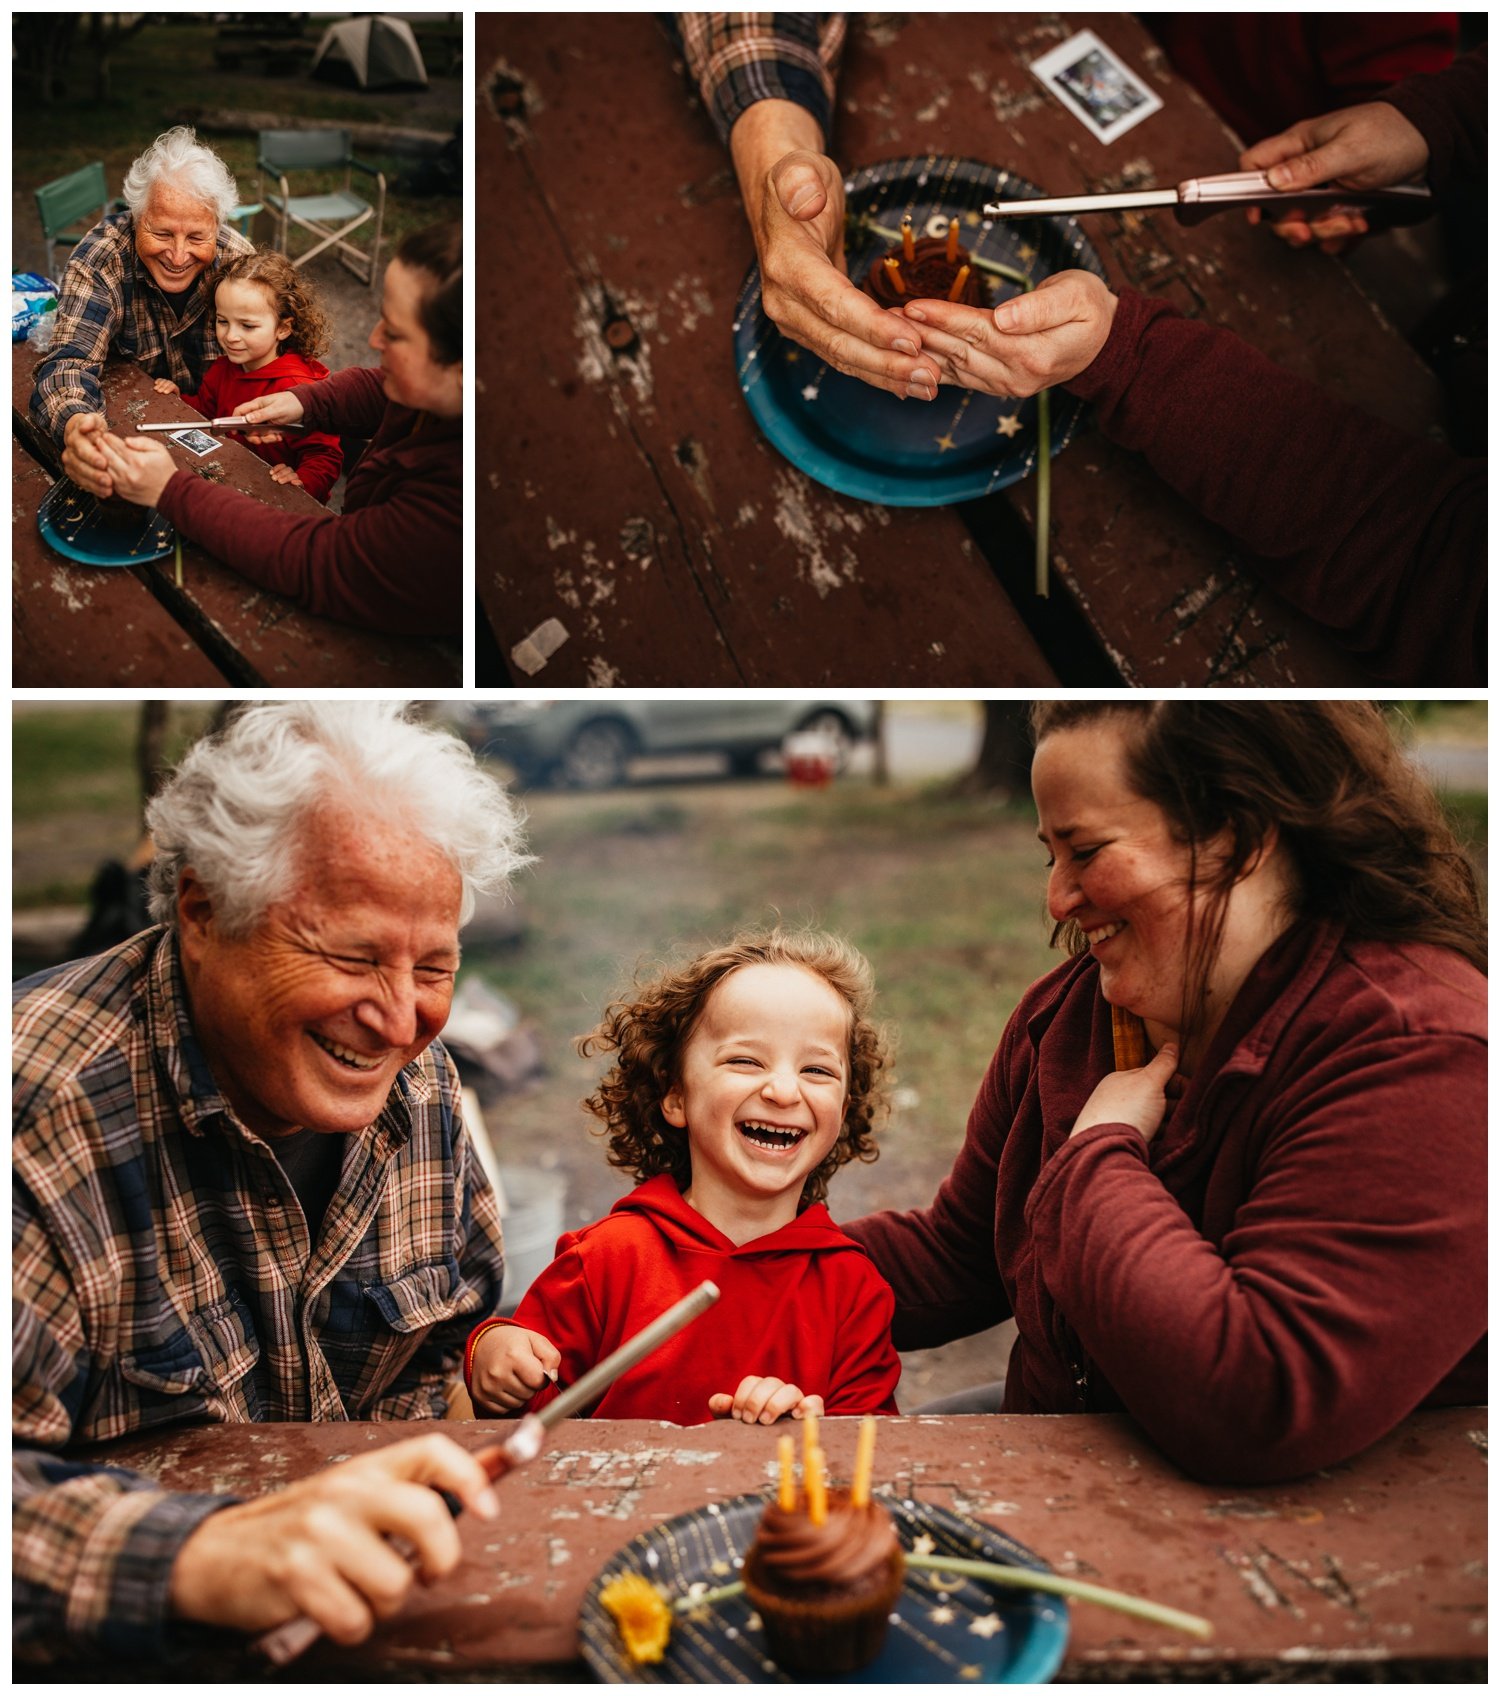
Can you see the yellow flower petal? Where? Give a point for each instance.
(641, 1613)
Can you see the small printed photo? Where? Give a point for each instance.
(1096, 86)
(195, 441)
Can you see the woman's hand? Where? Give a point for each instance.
(1138, 1098)
(1024, 345)
(139, 469)
(762, 1401)
(510, 1365)
(268, 412)
(165, 386)
(285, 474)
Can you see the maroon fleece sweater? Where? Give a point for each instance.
(392, 560)
(1294, 1263)
(1378, 535)
(803, 1304)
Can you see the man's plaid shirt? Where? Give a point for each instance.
(738, 58)
(163, 1274)
(110, 304)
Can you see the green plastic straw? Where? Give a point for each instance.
(1015, 1578)
(1043, 408)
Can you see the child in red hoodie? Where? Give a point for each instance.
(270, 329)
(743, 1081)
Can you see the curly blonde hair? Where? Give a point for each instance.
(292, 296)
(649, 1031)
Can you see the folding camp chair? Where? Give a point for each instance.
(331, 216)
(81, 197)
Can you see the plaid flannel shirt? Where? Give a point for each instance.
(110, 304)
(739, 58)
(163, 1273)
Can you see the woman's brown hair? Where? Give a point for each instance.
(1367, 839)
(439, 251)
(292, 296)
(647, 1032)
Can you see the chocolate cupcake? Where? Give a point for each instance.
(825, 1592)
(928, 275)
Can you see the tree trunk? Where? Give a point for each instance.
(1003, 767)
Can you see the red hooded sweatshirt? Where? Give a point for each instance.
(316, 456)
(804, 1304)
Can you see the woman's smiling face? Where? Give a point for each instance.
(1117, 869)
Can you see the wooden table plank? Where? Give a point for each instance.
(1378, 1562)
(627, 493)
(253, 636)
(72, 626)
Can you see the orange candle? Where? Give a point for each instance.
(953, 241)
(957, 287)
(908, 244)
(816, 1480)
(809, 1443)
(893, 271)
(864, 1464)
(786, 1495)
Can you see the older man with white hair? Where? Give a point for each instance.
(135, 287)
(244, 1190)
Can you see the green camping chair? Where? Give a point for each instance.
(331, 217)
(81, 197)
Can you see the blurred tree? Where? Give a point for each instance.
(1003, 767)
(42, 45)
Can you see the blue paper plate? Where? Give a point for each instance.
(72, 524)
(945, 1628)
(861, 441)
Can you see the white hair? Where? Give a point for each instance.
(178, 157)
(234, 808)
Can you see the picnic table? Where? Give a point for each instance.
(1373, 1566)
(135, 626)
(635, 528)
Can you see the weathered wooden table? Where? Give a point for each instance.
(134, 627)
(627, 502)
(1376, 1564)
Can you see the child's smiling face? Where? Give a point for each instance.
(250, 334)
(763, 1081)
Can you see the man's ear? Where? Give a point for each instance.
(195, 911)
(672, 1109)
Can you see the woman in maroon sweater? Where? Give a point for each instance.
(392, 560)
(1227, 1168)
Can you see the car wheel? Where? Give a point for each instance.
(597, 756)
(836, 728)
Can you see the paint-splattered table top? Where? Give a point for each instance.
(1377, 1563)
(635, 528)
(77, 626)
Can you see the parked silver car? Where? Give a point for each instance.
(590, 744)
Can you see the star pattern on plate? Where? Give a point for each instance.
(942, 1616)
(1009, 425)
(986, 1625)
(1026, 251)
(810, 393)
(923, 1545)
(945, 443)
(720, 1569)
(971, 1672)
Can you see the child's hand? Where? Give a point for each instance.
(285, 474)
(510, 1365)
(762, 1401)
(165, 386)
(1137, 1098)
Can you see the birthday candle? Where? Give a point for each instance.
(809, 1443)
(893, 271)
(864, 1464)
(953, 241)
(816, 1480)
(786, 1496)
(956, 288)
(908, 245)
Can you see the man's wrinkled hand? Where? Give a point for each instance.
(139, 468)
(83, 456)
(318, 1548)
(1024, 345)
(1360, 147)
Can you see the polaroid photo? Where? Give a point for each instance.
(195, 441)
(1096, 86)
